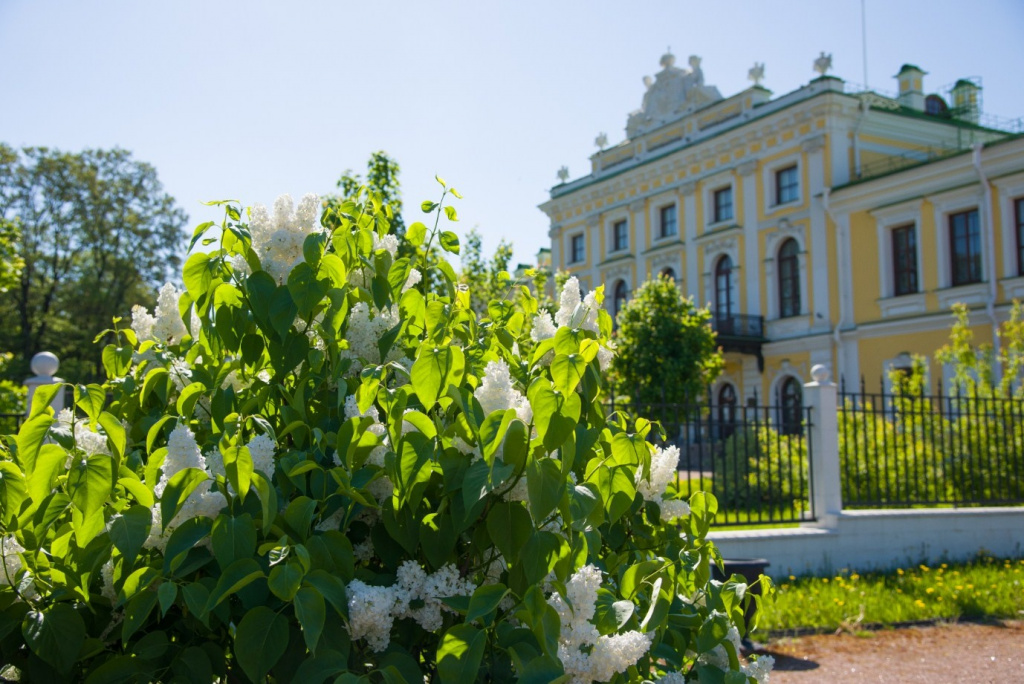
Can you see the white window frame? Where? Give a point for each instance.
(1010, 190)
(886, 220)
(712, 185)
(613, 217)
(572, 261)
(656, 204)
(773, 242)
(768, 179)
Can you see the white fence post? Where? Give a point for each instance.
(44, 365)
(826, 488)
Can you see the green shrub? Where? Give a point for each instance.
(759, 468)
(319, 463)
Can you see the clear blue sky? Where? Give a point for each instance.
(247, 100)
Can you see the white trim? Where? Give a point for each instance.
(904, 305)
(975, 293)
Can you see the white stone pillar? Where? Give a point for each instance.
(826, 488)
(44, 365)
(688, 193)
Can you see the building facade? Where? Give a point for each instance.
(830, 225)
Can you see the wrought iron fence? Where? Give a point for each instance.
(10, 422)
(754, 458)
(906, 448)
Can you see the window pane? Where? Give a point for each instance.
(668, 224)
(789, 279)
(1019, 204)
(965, 247)
(786, 185)
(904, 260)
(723, 205)
(576, 250)
(620, 236)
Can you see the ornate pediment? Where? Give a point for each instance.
(671, 94)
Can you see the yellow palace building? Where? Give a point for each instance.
(832, 224)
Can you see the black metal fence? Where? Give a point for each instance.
(906, 448)
(754, 459)
(10, 422)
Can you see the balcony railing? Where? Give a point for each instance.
(740, 333)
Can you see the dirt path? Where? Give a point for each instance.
(959, 653)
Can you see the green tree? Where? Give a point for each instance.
(381, 178)
(667, 352)
(97, 233)
(11, 262)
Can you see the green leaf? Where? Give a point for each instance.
(183, 483)
(139, 490)
(282, 312)
(183, 539)
(452, 216)
(30, 439)
(449, 240)
(167, 594)
(188, 399)
(546, 486)
(416, 234)
(567, 371)
(305, 289)
(510, 527)
(324, 665)
(90, 398)
(311, 612)
(89, 483)
(156, 381)
(115, 433)
(13, 490)
(117, 670)
(55, 635)
(460, 653)
(154, 432)
(232, 538)
(434, 370)
(198, 275)
(238, 575)
(260, 641)
(440, 180)
(485, 601)
(238, 464)
(48, 463)
(539, 555)
(331, 588)
(285, 579)
(555, 413)
(42, 398)
(268, 499)
(129, 531)
(313, 248)
(427, 206)
(137, 612)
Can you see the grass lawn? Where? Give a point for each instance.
(986, 587)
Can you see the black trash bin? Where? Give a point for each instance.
(750, 569)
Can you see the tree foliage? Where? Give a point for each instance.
(666, 350)
(486, 279)
(97, 233)
(315, 467)
(11, 262)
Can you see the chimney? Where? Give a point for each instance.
(967, 100)
(911, 79)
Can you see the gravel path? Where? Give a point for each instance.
(963, 652)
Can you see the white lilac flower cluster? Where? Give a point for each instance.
(205, 501)
(664, 463)
(366, 325)
(277, 240)
(373, 610)
(759, 669)
(497, 392)
(86, 439)
(586, 654)
(164, 325)
(12, 562)
(573, 312)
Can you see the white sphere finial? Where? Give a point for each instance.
(820, 373)
(45, 364)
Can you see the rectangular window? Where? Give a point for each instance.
(723, 205)
(620, 235)
(668, 226)
(577, 249)
(787, 185)
(965, 247)
(1018, 206)
(904, 260)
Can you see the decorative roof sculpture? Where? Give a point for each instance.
(756, 73)
(823, 63)
(670, 95)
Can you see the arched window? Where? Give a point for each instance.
(723, 291)
(668, 272)
(792, 404)
(789, 279)
(621, 295)
(726, 411)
